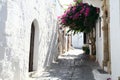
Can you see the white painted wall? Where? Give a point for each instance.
(99, 44)
(77, 40)
(115, 38)
(99, 40)
(16, 17)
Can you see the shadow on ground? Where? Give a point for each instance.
(70, 67)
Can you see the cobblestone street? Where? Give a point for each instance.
(72, 65)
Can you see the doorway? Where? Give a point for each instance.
(31, 53)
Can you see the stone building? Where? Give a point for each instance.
(28, 37)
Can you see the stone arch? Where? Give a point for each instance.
(34, 46)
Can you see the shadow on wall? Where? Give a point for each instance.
(52, 49)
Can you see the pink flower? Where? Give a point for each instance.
(59, 17)
(64, 15)
(80, 4)
(81, 11)
(87, 11)
(75, 0)
(97, 10)
(70, 5)
(68, 11)
(76, 16)
(70, 17)
(63, 21)
(73, 9)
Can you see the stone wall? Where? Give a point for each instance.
(16, 18)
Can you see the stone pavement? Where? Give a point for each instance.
(72, 65)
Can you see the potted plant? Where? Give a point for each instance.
(86, 49)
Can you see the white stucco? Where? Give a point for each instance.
(77, 40)
(16, 17)
(99, 43)
(115, 38)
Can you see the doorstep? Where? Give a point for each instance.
(100, 75)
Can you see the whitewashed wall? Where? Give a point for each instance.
(99, 43)
(99, 40)
(115, 38)
(77, 40)
(16, 17)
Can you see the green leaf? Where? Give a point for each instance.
(79, 1)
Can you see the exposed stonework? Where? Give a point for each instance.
(106, 18)
(16, 18)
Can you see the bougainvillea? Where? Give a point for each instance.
(80, 17)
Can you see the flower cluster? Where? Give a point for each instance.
(80, 17)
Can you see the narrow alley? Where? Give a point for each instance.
(73, 65)
(59, 39)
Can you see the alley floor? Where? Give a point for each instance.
(73, 65)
